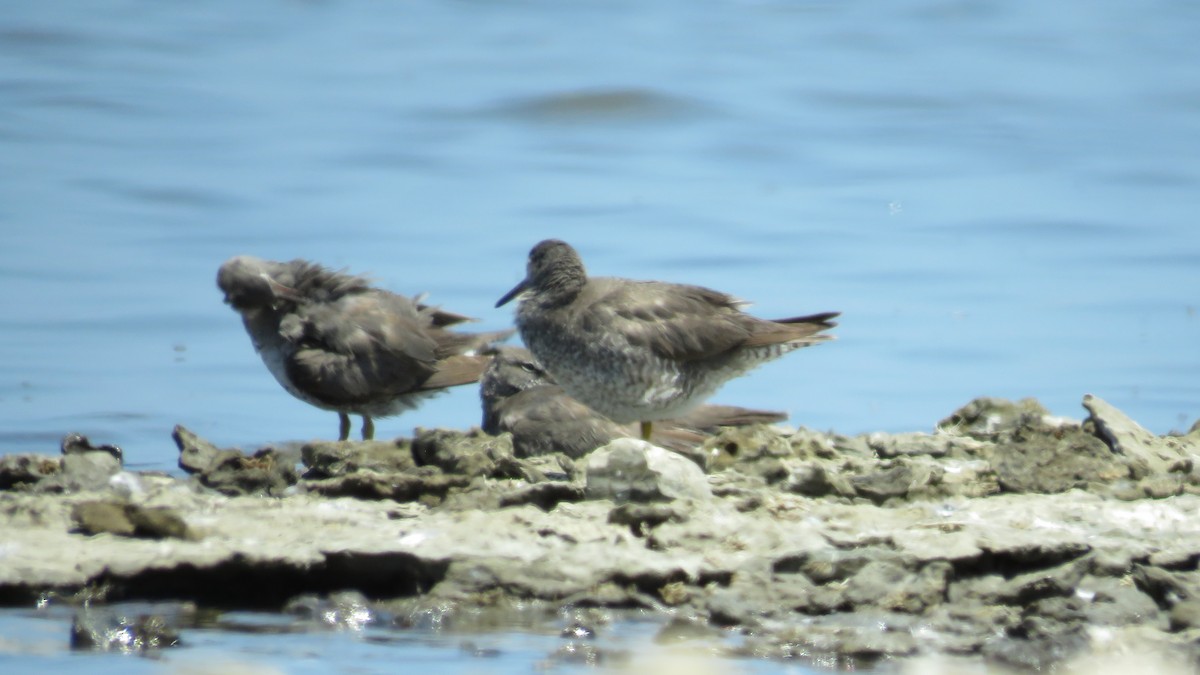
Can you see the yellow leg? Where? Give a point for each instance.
(646, 430)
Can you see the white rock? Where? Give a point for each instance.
(632, 470)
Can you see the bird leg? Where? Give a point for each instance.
(343, 426)
(368, 430)
(646, 430)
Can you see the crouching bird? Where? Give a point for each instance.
(338, 343)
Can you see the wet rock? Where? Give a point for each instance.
(633, 470)
(679, 630)
(106, 630)
(344, 609)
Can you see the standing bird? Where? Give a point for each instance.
(334, 341)
(639, 351)
(520, 397)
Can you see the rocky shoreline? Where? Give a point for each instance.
(1007, 536)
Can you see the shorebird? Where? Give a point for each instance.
(520, 397)
(335, 342)
(640, 351)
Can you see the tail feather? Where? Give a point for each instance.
(797, 330)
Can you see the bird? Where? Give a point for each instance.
(334, 341)
(640, 351)
(521, 398)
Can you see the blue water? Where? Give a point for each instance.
(1000, 196)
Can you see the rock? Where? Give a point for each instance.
(811, 479)
(1045, 463)
(22, 472)
(343, 609)
(330, 459)
(815, 546)
(470, 454)
(104, 630)
(98, 517)
(641, 518)
(196, 455)
(629, 469)
(1109, 601)
(130, 520)
(82, 471)
(268, 471)
(893, 480)
(76, 443)
(987, 417)
(545, 496)
(1185, 615)
(367, 484)
(1145, 452)
(748, 444)
(1166, 588)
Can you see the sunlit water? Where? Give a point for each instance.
(1000, 196)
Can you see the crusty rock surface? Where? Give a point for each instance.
(1007, 535)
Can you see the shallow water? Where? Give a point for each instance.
(1000, 197)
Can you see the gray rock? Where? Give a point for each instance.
(82, 471)
(23, 472)
(75, 443)
(1045, 463)
(988, 417)
(196, 455)
(330, 459)
(269, 471)
(471, 454)
(629, 469)
(1145, 452)
(1185, 615)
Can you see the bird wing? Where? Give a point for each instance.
(362, 346)
(676, 321)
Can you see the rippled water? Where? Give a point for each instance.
(1000, 196)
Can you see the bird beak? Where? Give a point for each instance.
(517, 290)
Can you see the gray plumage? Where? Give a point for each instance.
(335, 342)
(521, 398)
(639, 351)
